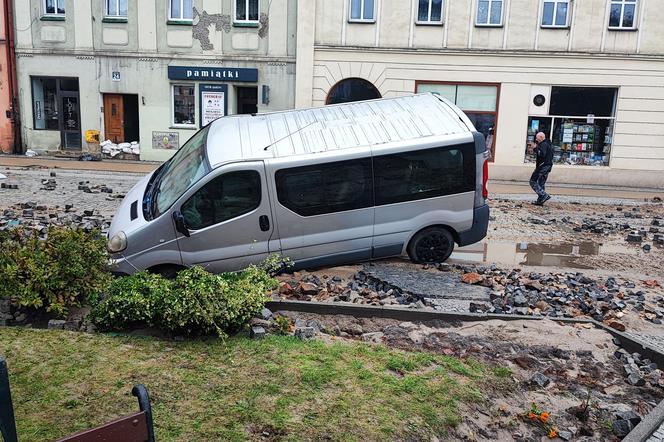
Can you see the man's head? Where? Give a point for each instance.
(540, 137)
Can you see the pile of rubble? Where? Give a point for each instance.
(39, 218)
(555, 295)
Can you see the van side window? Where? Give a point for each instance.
(225, 197)
(326, 188)
(421, 174)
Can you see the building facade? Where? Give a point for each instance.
(588, 73)
(148, 72)
(7, 80)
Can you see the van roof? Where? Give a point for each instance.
(341, 126)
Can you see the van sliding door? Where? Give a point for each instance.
(324, 211)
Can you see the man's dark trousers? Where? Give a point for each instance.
(538, 179)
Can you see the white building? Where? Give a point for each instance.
(150, 71)
(589, 73)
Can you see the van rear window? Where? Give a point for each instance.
(420, 174)
(326, 188)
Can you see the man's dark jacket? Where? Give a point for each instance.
(544, 154)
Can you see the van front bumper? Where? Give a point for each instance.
(479, 229)
(119, 266)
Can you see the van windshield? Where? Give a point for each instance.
(180, 172)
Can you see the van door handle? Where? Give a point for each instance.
(264, 222)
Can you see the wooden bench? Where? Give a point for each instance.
(136, 427)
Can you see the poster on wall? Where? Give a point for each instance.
(213, 103)
(165, 140)
(568, 132)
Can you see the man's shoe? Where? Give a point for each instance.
(543, 200)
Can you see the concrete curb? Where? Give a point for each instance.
(640, 433)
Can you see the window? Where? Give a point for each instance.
(479, 103)
(181, 10)
(54, 7)
(116, 8)
(362, 11)
(579, 125)
(352, 89)
(225, 197)
(326, 188)
(430, 12)
(623, 14)
(184, 105)
(489, 13)
(45, 104)
(416, 175)
(554, 14)
(246, 11)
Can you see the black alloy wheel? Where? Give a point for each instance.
(434, 244)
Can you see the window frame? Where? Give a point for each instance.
(553, 24)
(181, 125)
(361, 19)
(429, 21)
(489, 24)
(181, 18)
(246, 20)
(622, 4)
(259, 192)
(117, 15)
(55, 14)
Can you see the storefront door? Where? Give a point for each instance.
(70, 121)
(114, 118)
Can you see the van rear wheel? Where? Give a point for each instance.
(434, 244)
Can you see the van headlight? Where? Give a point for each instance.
(118, 243)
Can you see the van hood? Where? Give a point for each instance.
(122, 220)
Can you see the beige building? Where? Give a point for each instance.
(588, 73)
(149, 71)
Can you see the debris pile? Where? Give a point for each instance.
(39, 218)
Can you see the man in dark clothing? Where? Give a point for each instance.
(544, 164)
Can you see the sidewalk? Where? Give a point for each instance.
(518, 188)
(141, 167)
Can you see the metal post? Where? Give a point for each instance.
(7, 422)
(141, 393)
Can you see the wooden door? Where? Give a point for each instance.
(114, 118)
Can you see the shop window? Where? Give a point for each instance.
(352, 89)
(184, 105)
(623, 14)
(246, 11)
(226, 197)
(555, 13)
(579, 125)
(181, 10)
(489, 13)
(116, 8)
(430, 12)
(45, 103)
(54, 7)
(361, 11)
(478, 102)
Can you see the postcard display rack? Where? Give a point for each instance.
(580, 144)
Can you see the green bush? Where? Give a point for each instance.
(196, 302)
(129, 300)
(65, 270)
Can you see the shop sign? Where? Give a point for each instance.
(165, 140)
(206, 73)
(590, 119)
(213, 102)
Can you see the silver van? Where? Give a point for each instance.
(322, 186)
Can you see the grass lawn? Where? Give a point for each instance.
(236, 389)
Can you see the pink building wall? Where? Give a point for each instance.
(6, 130)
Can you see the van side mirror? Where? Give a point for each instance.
(180, 225)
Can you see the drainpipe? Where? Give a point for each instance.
(11, 75)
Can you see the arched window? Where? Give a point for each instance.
(352, 89)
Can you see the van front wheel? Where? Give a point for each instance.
(434, 244)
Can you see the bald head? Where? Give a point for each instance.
(540, 137)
